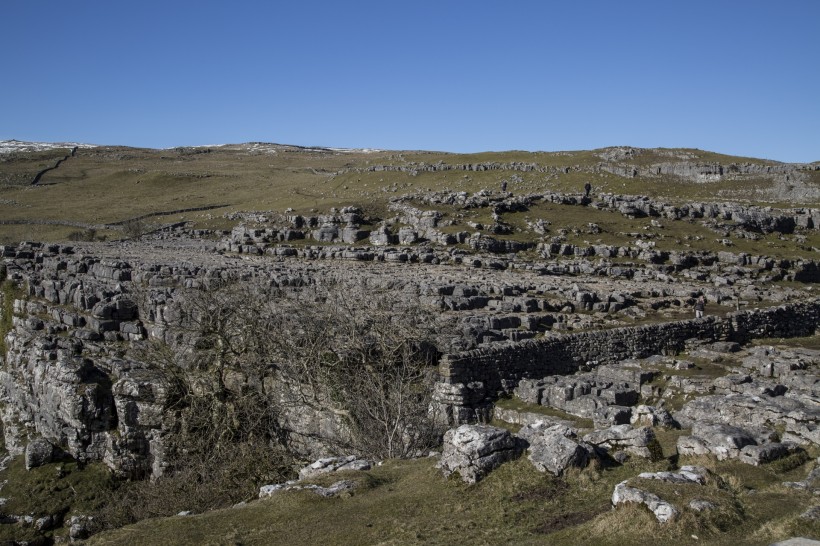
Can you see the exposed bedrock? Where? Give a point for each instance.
(69, 377)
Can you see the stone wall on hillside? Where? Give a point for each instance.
(472, 380)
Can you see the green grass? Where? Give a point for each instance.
(20, 168)
(59, 489)
(409, 502)
(514, 403)
(133, 182)
(810, 342)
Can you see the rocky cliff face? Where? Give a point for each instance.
(64, 378)
(69, 375)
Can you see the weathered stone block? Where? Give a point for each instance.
(38, 453)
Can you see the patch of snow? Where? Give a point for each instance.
(10, 146)
(198, 146)
(356, 150)
(261, 147)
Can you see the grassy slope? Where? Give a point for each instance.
(409, 502)
(20, 168)
(55, 489)
(112, 184)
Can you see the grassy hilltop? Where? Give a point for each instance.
(109, 185)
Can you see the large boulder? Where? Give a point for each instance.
(554, 450)
(639, 441)
(475, 450)
(799, 415)
(38, 453)
(650, 416)
(766, 453)
(718, 439)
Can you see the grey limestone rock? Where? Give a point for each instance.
(798, 415)
(531, 431)
(79, 527)
(38, 453)
(584, 395)
(334, 490)
(334, 464)
(382, 236)
(326, 233)
(612, 415)
(527, 418)
(812, 513)
(700, 505)
(636, 441)
(718, 439)
(651, 416)
(760, 454)
(662, 510)
(407, 236)
(797, 541)
(629, 372)
(530, 390)
(475, 450)
(553, 450)
(686, 474)
(46, 523)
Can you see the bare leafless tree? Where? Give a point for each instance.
(239, 357)
(363, 355)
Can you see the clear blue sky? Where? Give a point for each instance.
(739, 77)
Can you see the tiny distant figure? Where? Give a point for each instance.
(503, 185)
(700, 305)
(587, 189)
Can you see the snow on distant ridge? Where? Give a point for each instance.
(356, 150)
(272, 148)
(9, 146)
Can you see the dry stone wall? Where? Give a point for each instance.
(472, 380)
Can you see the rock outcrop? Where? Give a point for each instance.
(473, 451)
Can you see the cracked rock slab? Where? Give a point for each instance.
(473, 451)
(554, 449)
(336, 489)
(635, 441)
(334, 464)
(662, 510)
